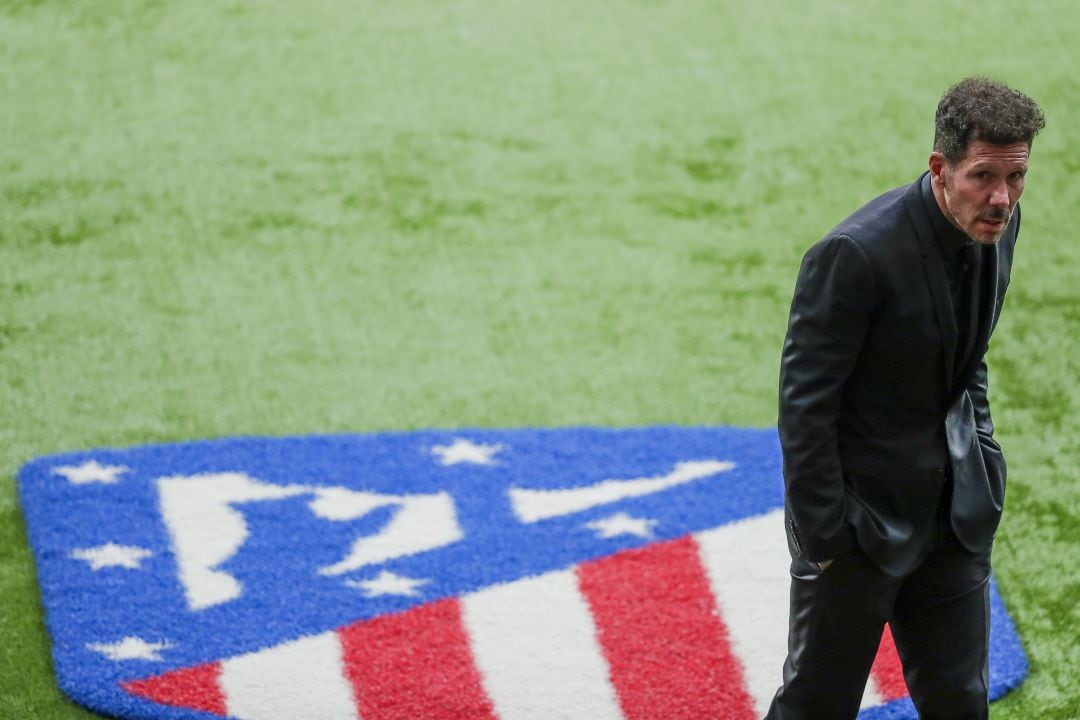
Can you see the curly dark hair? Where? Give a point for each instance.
(978, 108)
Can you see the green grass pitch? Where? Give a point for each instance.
(229, 218)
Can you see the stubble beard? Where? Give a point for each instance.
(1005, 215)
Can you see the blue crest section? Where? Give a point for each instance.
(285, 543)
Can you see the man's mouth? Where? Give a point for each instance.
(994, 220)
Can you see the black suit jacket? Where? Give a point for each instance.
(873, 414)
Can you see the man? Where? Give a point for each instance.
(894, 482)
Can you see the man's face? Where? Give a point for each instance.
(979, 192)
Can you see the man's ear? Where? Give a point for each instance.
(937, 168)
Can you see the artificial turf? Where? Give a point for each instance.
(282, 218)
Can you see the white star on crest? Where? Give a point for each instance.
(112, 555)
(465, 451)
(388, 583)
(622, 524)
(130, 648)
(90, 472)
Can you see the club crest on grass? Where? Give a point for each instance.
(475, 573)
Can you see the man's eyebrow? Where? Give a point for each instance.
(989, 161)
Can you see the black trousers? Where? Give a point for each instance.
(940, 619)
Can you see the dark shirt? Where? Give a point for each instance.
(962, 258)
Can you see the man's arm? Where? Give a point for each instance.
(992, 456)
(834, 298)
(977, 389)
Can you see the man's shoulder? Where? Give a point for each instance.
(885, 225)
(881, 220)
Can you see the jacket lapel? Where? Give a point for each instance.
(934, 270)
(988, 306)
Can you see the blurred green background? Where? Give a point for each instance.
(228, 218)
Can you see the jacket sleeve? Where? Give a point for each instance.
(835, 296)
(977, 390)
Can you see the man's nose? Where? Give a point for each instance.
(1000, 196)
